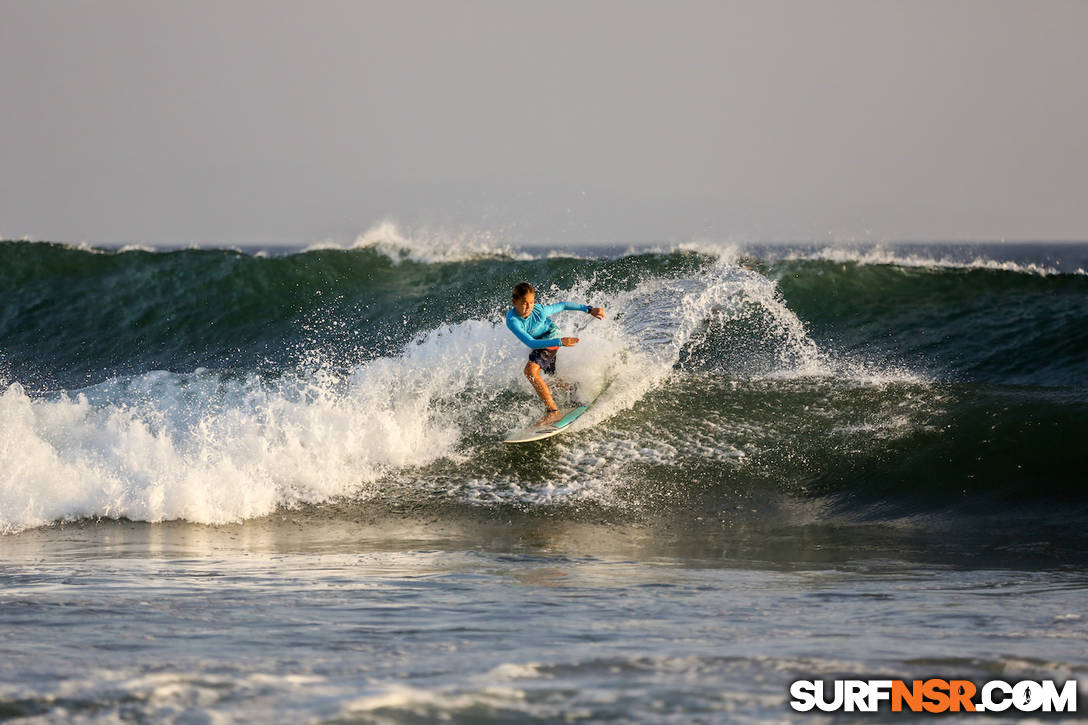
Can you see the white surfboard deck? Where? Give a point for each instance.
(540, 432)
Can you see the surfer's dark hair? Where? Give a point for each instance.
(523, 288)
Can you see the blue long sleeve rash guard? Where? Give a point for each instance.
(537, 330)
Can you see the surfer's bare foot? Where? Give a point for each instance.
(550, 417)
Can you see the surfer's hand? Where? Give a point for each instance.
(597, 312)
(569, 341)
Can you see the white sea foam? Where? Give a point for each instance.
(163, 446)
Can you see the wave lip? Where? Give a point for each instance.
(884, 255)
(427, 246)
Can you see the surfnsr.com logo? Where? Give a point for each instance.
(933, 696)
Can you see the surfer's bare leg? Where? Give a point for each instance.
(532, 371)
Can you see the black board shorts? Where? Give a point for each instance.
(545, 358)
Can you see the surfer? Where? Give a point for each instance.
(532, 324)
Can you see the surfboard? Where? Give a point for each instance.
(540, 432)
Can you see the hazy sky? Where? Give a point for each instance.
(589, 121)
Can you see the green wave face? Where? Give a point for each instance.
(71, 316)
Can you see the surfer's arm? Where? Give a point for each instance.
(519, 332)
(550, 310)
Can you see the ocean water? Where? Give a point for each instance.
(264, 485)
